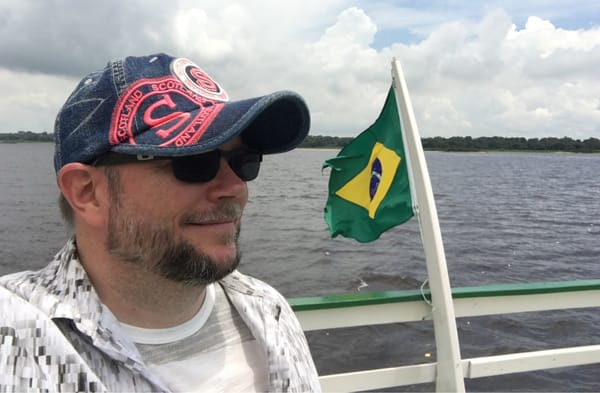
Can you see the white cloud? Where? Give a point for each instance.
(493, 79)
(345, 91)
(544, 38)
(33, 99)
(472, 73)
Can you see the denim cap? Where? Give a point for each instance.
(159, 105)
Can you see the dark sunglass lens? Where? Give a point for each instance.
(204, 167)
(246, 165)
(197, 169)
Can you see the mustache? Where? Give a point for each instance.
(226, 211)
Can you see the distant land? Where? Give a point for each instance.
(455, 143)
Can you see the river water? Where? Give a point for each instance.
(505, 218)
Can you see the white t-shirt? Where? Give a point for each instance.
(212, 352)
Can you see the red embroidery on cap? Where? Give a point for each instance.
(177, 115)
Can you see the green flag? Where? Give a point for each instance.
(369, 190)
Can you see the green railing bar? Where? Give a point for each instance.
(374, 298)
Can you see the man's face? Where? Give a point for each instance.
(186, 232)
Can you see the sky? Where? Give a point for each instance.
(515, 68)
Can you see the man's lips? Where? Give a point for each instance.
(215, 224)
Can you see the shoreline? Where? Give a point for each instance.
(450, 150)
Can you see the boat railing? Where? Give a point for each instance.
(376, 308)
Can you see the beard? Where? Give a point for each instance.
(152, 246)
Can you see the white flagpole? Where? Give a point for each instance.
(449, 376)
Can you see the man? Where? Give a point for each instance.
(152, 161)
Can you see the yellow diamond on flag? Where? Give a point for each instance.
(371, 185)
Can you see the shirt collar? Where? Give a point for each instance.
(64, 291)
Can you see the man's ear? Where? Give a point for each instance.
(81, 186)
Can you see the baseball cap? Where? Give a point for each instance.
(160, 105)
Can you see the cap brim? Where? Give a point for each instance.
(274, 123)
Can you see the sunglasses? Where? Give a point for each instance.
(198, 168)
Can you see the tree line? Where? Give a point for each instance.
(455, 143)
(26, 136)
(467, 143)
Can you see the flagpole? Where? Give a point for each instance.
(449, 376)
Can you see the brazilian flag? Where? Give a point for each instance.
(369, 190)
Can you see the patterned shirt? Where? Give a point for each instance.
(56, 335)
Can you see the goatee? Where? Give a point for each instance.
(153, 247)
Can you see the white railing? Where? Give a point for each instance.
(408, 306)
